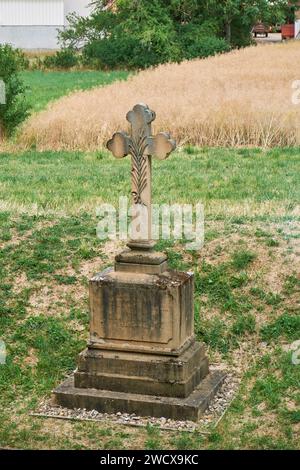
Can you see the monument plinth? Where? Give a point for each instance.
(142, 356)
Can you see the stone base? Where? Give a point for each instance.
(105, 401)
(142, 356)
(141, 312)
(148, 374)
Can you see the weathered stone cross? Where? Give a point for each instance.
(142, 316)
(141, 145)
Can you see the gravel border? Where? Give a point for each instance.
(205, 425)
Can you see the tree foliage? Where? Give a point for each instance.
(140, 33)
(15, 108)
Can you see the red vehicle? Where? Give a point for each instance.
(288, 31)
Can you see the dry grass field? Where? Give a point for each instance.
(243, 98)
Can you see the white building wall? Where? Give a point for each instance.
(33, 24)
(31, 12)
(30, 37)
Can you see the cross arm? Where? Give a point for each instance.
(161, 145)
(119, 145)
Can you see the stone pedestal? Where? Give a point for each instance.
(142, 356)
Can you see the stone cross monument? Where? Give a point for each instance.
(141, 146)
(142, 355)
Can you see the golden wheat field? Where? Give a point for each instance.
(243, 98)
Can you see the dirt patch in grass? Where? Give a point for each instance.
(67, 286)
(31, 360)
(20, 283)
(55, 299)
(109, 250)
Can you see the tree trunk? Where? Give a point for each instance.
(2, 132)
(228, 31)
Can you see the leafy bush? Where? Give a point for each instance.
(207, 46)
(126, 52)
(129, 52)
(15, 109)
(22, 60)
(142, 33)
(64, 59)
(200, 40)
(139, 36)
(109, 53)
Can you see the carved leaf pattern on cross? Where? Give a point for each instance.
(141, 145)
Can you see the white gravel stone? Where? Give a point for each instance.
(208, 420)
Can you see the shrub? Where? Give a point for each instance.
(143, 34)
(22, 60)
(15, 109)
(200, 40)
(130, 53)
(167, 30)
(110, 53)
(126, 52)
(207, 46)
(146, 49)
(64, 59)
(139, 36)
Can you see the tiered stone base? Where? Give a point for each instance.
(142, 356)
(142, 373)
(106, 401)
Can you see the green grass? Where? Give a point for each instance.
(287, 326)
(241, 259)
(221, 179)
(44, 87)
(49, 248)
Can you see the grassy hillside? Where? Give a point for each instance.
(246, 289)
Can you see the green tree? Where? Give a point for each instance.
(239, 16)
(14, 109)
(140, 33)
